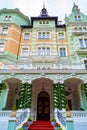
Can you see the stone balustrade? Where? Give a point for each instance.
(5, 114)
(51, 66)
(79, 114)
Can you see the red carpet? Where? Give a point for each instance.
(41, 125)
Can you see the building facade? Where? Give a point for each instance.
(43, 63)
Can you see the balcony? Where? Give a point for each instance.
(79, 32)
(44, 68)
(42, 56)
(82, 51)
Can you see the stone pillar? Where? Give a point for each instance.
(12, 123)
(69, 124)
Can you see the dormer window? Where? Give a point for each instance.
(43, 22)
(78, 18)
(40, 22)
(7, 18)
(47, 22)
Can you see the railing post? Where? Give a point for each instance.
(69, 124)
(12, 123)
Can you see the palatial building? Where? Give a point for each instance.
(43, 64)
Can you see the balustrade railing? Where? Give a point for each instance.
(5, 114)
(22, 117)
(79, 114)
(43, 53)
(63, 66)
(60, 116)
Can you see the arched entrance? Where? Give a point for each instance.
(43, 106)
(11, 92)
(73, 95)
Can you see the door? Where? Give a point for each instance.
(43, 106)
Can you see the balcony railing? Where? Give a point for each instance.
(79, 31)
(43, 53)
(82, 50)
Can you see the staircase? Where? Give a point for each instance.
(41, 125)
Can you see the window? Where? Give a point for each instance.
(26, 36)
(44, 22)
(85, 40)
(48, 51)
(61, 36)
(39, 51)
(24, 51)
(43, 35)
(4, 30)
(83, 43)
(77, 18)
(62, 51)
(7, 18)
(43, 51)
(2, 47)
(85, 64)
(47, 22)
(75, 28)
(84, 28)
(40, 22)
(80, 28)
(39, 35)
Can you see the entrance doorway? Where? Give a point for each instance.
(43, 106)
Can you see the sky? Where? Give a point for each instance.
(54, 7)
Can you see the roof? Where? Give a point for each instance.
(16, 10)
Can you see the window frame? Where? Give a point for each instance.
(63, 53)
(4, 31)
(83, 44)
(23, 53)
(44, 35)
(8, 18)
(3, 46)
(26, 37)
(61, 37)
(42, 50)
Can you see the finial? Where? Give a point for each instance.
(73, 3)
(43, 4)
